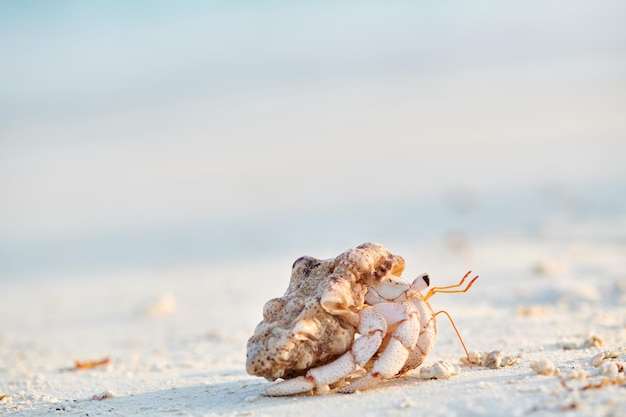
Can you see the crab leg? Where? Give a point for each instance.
(426, 338)
(372, 327)
(402, 342)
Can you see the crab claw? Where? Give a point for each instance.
(297, 385)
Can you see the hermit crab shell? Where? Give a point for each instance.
(315, 321)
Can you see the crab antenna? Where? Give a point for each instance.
(450, 288)
(457, 333)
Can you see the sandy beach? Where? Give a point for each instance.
(176, 338)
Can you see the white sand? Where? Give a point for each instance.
(176, 338)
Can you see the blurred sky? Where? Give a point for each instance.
(147, 132)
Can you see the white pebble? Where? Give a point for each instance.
(597, 359)
(545, 367)
(103, 396)
(593, 341)
(439, 370)
(610, 369)
(475, 358)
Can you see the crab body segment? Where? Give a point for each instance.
(339, 316)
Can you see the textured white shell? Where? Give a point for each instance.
(315, 321)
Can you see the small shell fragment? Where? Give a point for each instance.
(475, 358)
(612, 354)
(81, 365)
(612, 368)
(597, 359)
(439, 370)
(609, 369)
(494, 359)
(544, 367)
(103, 396)
(593, 341)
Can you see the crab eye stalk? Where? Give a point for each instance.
(421, 282)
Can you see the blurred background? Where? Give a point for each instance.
(149, 134)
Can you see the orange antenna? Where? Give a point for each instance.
(450, 288)
(453, 289)
(457, 334)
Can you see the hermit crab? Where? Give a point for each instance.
(341, 316)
